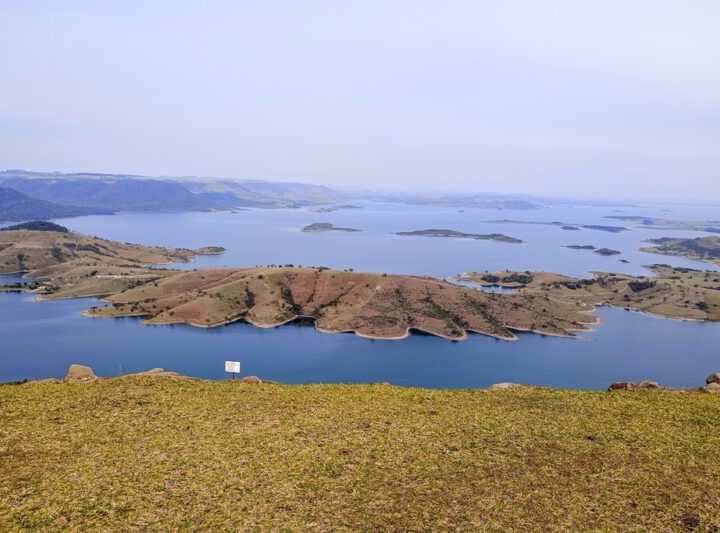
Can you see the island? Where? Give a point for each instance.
(563, 225)
(448, 233)
(325, 226)
(606, 251)
(580, 247)
(610, 229)
(332, 208)
(701, 248)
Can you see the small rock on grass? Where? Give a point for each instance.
(622, 385)
(80, 374)
(506, 386)
(712, 387)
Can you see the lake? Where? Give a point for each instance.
(41, 339)
(274, 236)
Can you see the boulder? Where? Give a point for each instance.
(622, 385)
(647, 384)
(506, 386)
(251, 379)
(713, 378)
(713, 388)
(80, 374)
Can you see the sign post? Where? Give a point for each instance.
(232, 367)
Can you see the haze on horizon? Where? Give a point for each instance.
(604, 99)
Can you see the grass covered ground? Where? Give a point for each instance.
(166, 454)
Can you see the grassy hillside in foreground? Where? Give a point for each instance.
(167, 453)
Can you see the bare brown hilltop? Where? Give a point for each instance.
(373, 305)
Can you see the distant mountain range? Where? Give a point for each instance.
(55, 195)
(40, 195)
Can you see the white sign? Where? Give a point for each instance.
(232, 366)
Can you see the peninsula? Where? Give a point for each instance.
(647, 222)
(701, 248)
(71, 264)
(673, 292)
(384, 306)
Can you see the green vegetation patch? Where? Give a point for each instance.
(165, 454)
(37, 225)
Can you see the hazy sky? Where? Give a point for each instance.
(604, 98)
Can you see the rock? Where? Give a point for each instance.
(713, 378)
(156, 373)
(506, 386)
(46, 380)
(622, 385)
(80, 374)
(713, 388)
(251, 379)
(647, 384)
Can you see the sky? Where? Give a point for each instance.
(607, 99)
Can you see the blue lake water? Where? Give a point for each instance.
(41, 339)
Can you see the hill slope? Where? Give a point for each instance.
(121, 194)
(15, 206)
(168, 454)
(81, 265)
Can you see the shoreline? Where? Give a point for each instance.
(408, 332)
(647, 386)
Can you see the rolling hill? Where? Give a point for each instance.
(16, 206)
(120, 192)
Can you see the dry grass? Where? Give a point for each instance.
(166, 454)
